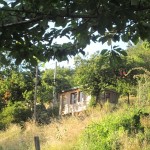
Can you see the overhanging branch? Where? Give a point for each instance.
(22, 22)
(52, 16)
(47, 16)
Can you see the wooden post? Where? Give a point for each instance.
(37, 143)
(35, 94)
(54, 87)
(128, 95)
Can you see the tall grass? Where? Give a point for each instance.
(66, 133)
(60, 134)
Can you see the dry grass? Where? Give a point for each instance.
(61, 134)
(133, 143)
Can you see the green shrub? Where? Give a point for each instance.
(2, 104)
(105, 135)
(92, 102)
(21, 112)
(42, 114)
(53, 112)
(17, 112)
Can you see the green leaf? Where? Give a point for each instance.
(135, 39)
(117, 50)
(125, 38)
(82, 51)
(44, 24)
(15, 3)
(104, 51)
(116, 38)
(60, 21)
(94, 38)
(65, 31)
(134, 2)
(103, 39)
(123, 52)
(3, 2)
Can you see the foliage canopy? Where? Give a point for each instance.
(100, 71)
(26, 28)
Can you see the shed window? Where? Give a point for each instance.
(81, 96)
(73, 98)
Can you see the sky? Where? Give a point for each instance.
(90, 49)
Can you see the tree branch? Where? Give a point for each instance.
(51, 16)
(19, 11)
(46, 16)
(22, 22)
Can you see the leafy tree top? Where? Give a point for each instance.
(25, 27)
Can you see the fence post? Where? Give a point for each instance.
(37, 143)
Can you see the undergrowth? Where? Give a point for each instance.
(109, 133)
(108, 128)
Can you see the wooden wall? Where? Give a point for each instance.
(69, 107)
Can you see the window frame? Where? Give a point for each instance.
(73, 98)
(81, 98)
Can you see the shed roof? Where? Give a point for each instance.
(71, 89)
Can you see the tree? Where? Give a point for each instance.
(63, 81)
(25, 28)
(138, 58)
(17, 84)
(139, 55)
(103, 71)
(94, 75)
(12, 86)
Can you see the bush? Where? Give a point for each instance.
(92, 102)
(17, 112)
(105, 135)
(53, 112)
(42, 114)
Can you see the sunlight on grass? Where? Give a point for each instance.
(64, 134)
(56, 135)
